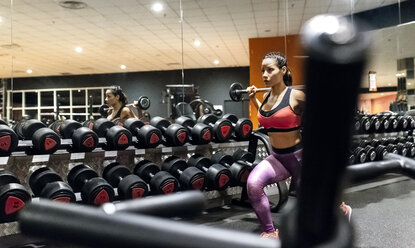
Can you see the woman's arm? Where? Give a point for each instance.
(297, 101)
(139, 110)
(126, 113)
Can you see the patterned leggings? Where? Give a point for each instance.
(278, 166)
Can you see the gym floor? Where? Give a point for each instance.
(383, 216)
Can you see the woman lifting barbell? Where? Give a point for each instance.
(117, 103)
(280, 114)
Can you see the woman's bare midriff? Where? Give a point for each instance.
(281, 140)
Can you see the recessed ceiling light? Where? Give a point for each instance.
(389, 84)
(78, 49)
(196, 43)
(157, 7)
(409, 83)
(72, 4)
(123, 67)
(29, 71)
(216, 62)
(1, 19)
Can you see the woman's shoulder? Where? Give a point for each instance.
(298, 94)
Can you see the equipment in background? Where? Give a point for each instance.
(143, 103)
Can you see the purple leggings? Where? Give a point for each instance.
(274, 168)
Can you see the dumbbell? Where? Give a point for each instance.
(83, 139)
(13, 196)
(360, 155)
(8, 140)
(200, 132)
(352, 158)
(161, 182)
(385, 124)
(117, 137)
(242, 155)
(129, 186)
(239, 172)
(402, 150)
(189, 177)
(174, 134)
(94, 190)
(370, 153)
(89, 124)
(56, 126)
(391, 148)
(357, 125)
(402, 123)
(371, 121)
(380, 152)
(44, 140)
(242, 127)
(46, 183)
(411, 149)
(411, 122)
(364, 124)
(217, 176)
(222, 128)
(147, 135)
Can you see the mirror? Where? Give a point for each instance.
(142, 46)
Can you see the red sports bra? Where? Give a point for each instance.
(280, 119)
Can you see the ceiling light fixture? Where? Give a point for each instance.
(196, 43)
(29, 71)
(72, 4)
(123, 67)
(216, 62)
(157, 7)
(78, 49)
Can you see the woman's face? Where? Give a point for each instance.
(110, 98)
(271, 74)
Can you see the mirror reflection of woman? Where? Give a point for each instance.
(280, 114)
(117, 103)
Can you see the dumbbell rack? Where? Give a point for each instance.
(22, 165)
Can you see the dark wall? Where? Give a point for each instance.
(213, 83)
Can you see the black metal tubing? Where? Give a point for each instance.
(333, 74)
(87, 226)
(393, 164)
(180, 204)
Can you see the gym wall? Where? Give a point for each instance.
(213, 84)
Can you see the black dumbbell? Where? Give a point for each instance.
(161, 182)
(189, 177)
(385, 124)
(391, 148)
(375, 142)
(44, 140)
(222, 128)
(83, 139)
(200, 132)
(357, 125)
(360, 155)
(364, 124)
(245, 156)
(402, 150)
(411, 122)
(411, 149)
(143, 103)
(89, 124)
(56, 126)
(352, 158)
(117, 137)
(147, 135)
(370, 153)
(380, 152)
(94, 190)
(175, 134)
(242, 127)
(402, 123)
(239, 172)
(13, 196)
(8, 140)
(217, 176)
(375, 124)
(129, 186)
(46, 183)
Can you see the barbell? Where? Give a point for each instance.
(236, 90)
